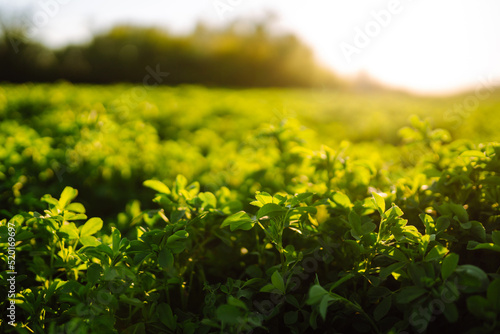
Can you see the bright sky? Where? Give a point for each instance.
(426, 46)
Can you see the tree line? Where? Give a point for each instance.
(240, 55)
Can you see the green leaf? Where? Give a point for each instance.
(76, 207)
(110, 273)
(477, 231)
(449, 291)
(229, 314)
(477, 305)
(49, 199)
(379, 202)
(26, 235)
(278, 282)
(267, 288)
(466, 226)
(238, 221)
(176, 242)
(355, 222)
(323, 306)
(303, 196)
(313, 320)
(71, 230)
(495, 235)
(305, 209)
(263, 198)
(166, 316)
(91, 226)
(472, 154)
(190, 327)
(493, 294)
(389, 270)
(394, 253)
(209, 201)
(342, 200)
(382, 308)
(368, 227)
(236, 302)
(138, 246)
(451, 312)
(105, 249)
(393, 212)
(158, 186)
(50, 291)
(341, 281)
(252, 281)
(409, 294)
(471, 278)
(116, 235)
(442, 224)
(74, 216)
(176, 215)
(67, 195)
(192, 190)
(417, 273)
(374, 293)
(437, 252)
(270, 210)
(93, 273)
(492, 180)
(449, 265)
(295, 200)
(89, 240)
(166, 258)
(316, 293)
(428, 223)
(179, 235)
(180, 183)
(131, 301)
(474, 245)
(460, 212)
(290, 299)
(424, 243)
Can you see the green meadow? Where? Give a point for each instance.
(141, 209)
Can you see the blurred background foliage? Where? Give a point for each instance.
(106, 142)
(240, 54)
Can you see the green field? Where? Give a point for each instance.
(140, 209)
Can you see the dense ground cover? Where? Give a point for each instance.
(216, 210)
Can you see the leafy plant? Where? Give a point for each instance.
(274, 233)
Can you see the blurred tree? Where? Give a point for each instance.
(240, 54)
